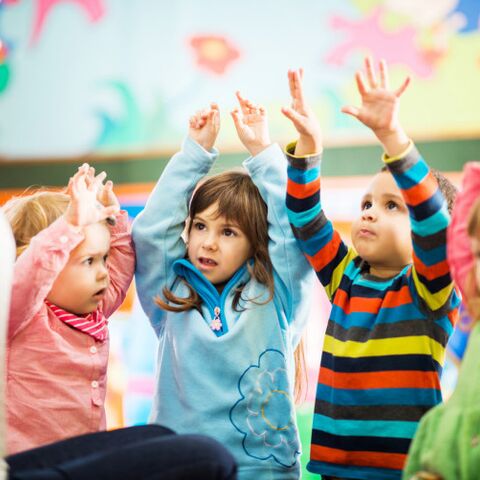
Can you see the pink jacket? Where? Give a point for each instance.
(459, 248)
(56, 375)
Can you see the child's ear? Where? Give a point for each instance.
(186, 229)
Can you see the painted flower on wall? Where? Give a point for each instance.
(264, 412)
(214, 53)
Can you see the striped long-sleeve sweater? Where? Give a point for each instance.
(385, 341)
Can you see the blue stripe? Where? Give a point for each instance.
(379, 396)
(303, 176)
(433, 224)
(428, 207)
(400, 313)
(315, 243)
(300, 219)
(367, 428)
(413, 176)
(433, 256)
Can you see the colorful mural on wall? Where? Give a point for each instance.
(97, 75)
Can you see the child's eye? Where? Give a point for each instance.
(199, 226)
(391, 205)
(105, 258)
(89, 261)
(366, 205)
(229, 232)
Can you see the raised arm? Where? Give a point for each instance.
(320, 243)
(427, 207)
(158, 228)
(459, 245)
(37, 268)
(121, 257)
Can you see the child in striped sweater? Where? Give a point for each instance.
(393, 301)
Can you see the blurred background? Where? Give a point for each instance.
(113, 82)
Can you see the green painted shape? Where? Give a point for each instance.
(304, 422)
(448, 156)
(4, 76)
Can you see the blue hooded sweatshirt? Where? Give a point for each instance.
(235, 384)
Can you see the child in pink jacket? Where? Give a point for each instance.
(72, 272)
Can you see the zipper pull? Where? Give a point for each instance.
(216, 323)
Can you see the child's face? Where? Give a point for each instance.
(216, 247)
(83, 282)
(381, 235)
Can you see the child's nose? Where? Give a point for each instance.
(102, 271)
(210, 242)
(369, 214)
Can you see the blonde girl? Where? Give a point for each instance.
(72, 272)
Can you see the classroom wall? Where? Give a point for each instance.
(83, 76)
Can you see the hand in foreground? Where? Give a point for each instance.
(84, 207)
(380, 107)
(251, 123)
(204, 126)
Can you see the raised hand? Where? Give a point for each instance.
(105, 193)
(251, 123)
(84, 207)
(303, 119)
(380, 107)
(204, 127)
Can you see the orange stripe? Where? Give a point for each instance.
(359, 458)
(302, 190)
(421, 192)
(356, 304)
(324, 256)
(454, 315)
(395, 299)
(120, 189)
(390, 379)
(372, 305)
(432, 272)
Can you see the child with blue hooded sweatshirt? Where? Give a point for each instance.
(228, 304)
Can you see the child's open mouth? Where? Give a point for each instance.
(207, 262)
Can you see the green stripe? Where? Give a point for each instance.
(338, 161)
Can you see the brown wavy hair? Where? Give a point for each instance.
(30, 214)
(240, 202)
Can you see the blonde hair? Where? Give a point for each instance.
(30, 214)
(472, 289)
(240, 202)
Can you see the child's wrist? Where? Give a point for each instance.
(394, 142)
(254, 150)
(308, 145)
(72, 222)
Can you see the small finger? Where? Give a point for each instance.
(243, 102)
(350, 110)
(403, 87)
(384, 81)
(372, 80)
(361, 83)
(291, 114)
(101, 177)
